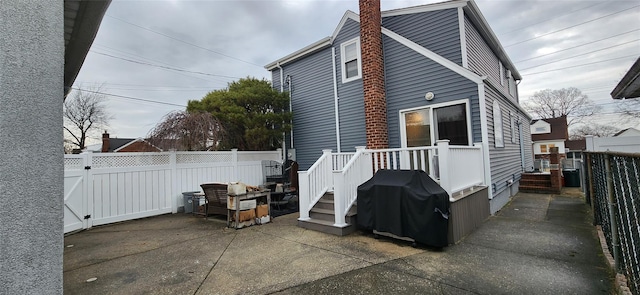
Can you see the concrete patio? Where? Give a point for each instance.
(538, 244)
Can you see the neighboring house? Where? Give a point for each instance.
(548, 133)
(126, 145)
(445, 76)
(627, 132)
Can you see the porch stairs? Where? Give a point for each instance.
(536, 183)
(322, 218)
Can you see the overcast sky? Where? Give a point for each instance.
(554, 44)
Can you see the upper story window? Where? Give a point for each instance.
(498, 133)
(351, 60)
(501, 73)
(512, 84)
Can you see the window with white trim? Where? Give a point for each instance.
(498, 133)
(512, 83)
(513, 127)
(501, 73)
(351, 62)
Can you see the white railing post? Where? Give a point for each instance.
(486, 176)
(443, 165)
(282, 155)
(328, 167)
(234, 162)
(174, 181)
(303, 194)
(339, 198)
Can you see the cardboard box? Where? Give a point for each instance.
(262, 210)
(244, 205)
(247, 215)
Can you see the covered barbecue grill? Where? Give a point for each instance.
(406, 203)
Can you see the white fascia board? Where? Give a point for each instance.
(485, 30)
(463, 38)
(321, 44)
(347, 15)
(433, 56)
(425, 8)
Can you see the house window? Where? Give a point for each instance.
(512, 84)
(424, 126)
(543, 148)
(501, 73)
(497, 125)
(351, 60)
(451, 124)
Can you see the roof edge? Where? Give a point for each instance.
(473, 11)
(627, 79)
(318, 45)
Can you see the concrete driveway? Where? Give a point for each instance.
(538, 244)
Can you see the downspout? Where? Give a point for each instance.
(335, 97)
(290, 109)
(284, 135)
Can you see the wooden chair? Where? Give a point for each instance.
(216, 195)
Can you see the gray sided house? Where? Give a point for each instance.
(446, 77)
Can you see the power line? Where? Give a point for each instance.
(183, 41)
(132, 98)
(573, 26)
(163, 67)
(580, 65)
(548, 19)
(570, 57)
(588, 43)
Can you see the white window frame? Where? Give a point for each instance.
(511, 84)
(498, 126)
(431, 107)
(513, 127)
(501, 73)
(343, 62)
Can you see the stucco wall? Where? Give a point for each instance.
(31, 161)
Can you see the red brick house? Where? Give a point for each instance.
(126, 145)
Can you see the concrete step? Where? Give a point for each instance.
(326, 227)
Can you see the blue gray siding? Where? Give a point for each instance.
(483, 61)
(313, 106)
(351, 103)
(275, 79)
(505, 161)
(409, 75)
(437, 31)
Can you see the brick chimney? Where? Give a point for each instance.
(105, 142)
(375, 104)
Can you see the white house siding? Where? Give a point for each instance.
(437, 31)
(351, 103)
(409, 75)
(313, 105)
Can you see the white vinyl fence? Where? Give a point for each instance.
(102, 188)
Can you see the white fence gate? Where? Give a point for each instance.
(103, 188)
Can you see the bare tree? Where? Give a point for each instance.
(84, 113)
(568, 102)
(190, 131)
(629, 108)
(593, 129)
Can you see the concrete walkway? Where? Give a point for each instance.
(538, 244)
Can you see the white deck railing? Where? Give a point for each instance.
(314, 183)
(456, 168)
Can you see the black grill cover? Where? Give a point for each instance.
(406, 203)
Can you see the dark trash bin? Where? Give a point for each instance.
(188, 202)
(571, 177)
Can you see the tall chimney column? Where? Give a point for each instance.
(375, 104)
(105, 142)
